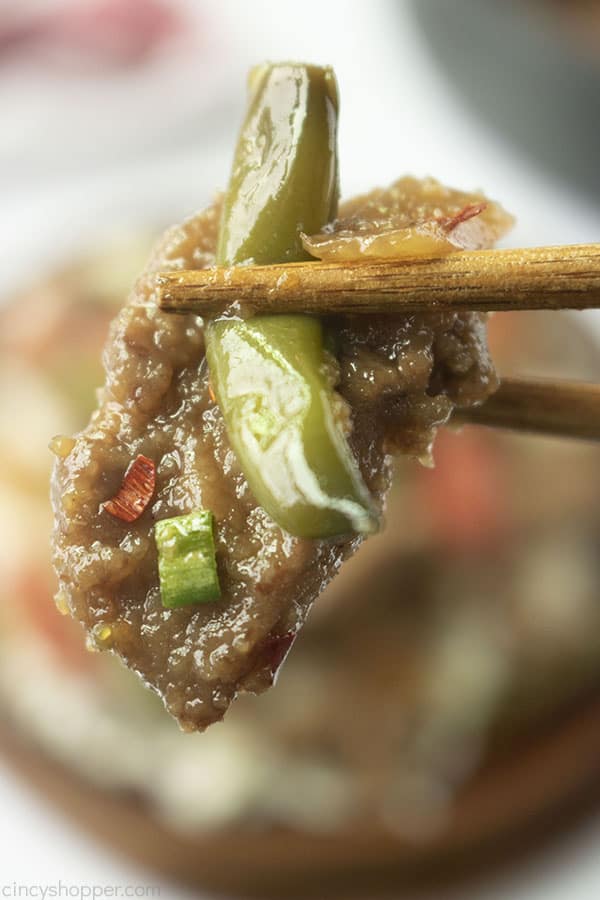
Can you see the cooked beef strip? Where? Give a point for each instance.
(156, 401)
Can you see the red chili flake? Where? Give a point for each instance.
(135, 492)
(463, 215)
(211, 393)
(274, 650)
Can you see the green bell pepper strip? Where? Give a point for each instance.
(284, 178)
(269, 373)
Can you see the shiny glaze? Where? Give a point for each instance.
(271, 377)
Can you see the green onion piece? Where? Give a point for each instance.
(187, 566)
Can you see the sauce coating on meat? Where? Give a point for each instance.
(398, 375)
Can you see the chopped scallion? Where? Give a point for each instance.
(187, 566)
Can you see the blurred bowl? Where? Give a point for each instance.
(530, 78)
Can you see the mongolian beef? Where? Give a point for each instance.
(232, 466)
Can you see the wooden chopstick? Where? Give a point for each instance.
(566, 277)
(541, 406)
(563, 277)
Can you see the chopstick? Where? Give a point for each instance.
(562, 277)
(541, 406)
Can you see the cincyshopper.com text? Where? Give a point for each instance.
(70, 891)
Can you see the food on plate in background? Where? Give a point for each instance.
(436, 699)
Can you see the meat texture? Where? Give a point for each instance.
(398, 377)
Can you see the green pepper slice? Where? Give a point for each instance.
(269, 374)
